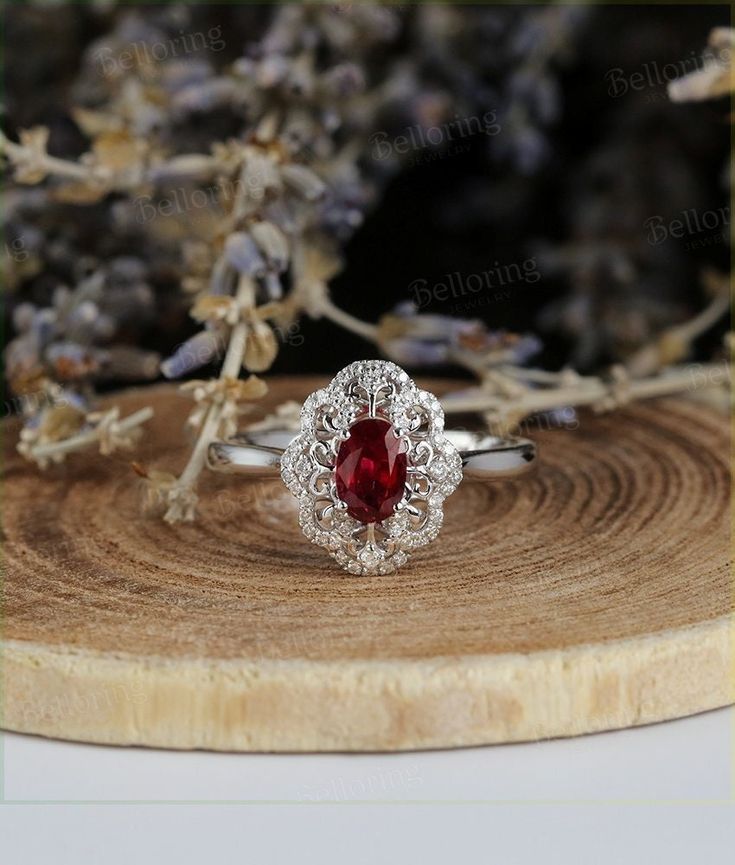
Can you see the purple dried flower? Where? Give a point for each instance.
(525, 347)
(23, 316)
(344, 80)
(270, 71)
(273, 243)
(201, 349)
(71, 361)
(205, 96)
(243, 254)
(424, 340)
(303, 181)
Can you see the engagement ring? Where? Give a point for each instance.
(372, 465)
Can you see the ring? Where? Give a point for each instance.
(372, 465)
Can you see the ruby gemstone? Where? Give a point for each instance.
(370, 471)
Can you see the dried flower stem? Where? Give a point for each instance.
(348, 322)
(709, 316)
(296, 178)
(209, 430)
(51, 450)
(507, 393)
(193, 166)
(587, 390)
(19, 153)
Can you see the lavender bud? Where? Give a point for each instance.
(273, 243)
(273, 287)
(243, 254)
(416, 352)
(345, 80)
(129, 363)
(179, 74)
(85, 313)
(202, 348)
(205, 96)
(244, 67)
(259, 176)
(44, 326)
(223, 278)
(23, 316)
(104, 327)
(303, 181)
(60, 297)
(282, 212)
(271, 70)
(71, 359)
(526, 347)
(127, 268)
(188, 166)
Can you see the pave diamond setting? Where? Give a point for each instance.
(414, 455)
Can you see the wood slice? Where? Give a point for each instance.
(592, 595)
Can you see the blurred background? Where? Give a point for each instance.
(521, 165)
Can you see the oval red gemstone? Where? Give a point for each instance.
(370, 471)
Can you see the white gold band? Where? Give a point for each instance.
(258, 454)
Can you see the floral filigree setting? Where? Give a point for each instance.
(371, 389)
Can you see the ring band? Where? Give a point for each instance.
(372, 465)
(257, 454)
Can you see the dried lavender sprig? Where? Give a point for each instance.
(486, 364)
(117, 163)
(181, 496)
(603, 395)
(105, 430)
(33, 164)
(261, 254)
(508, 393)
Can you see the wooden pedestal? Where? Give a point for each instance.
(591, 595)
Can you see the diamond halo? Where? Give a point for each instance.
(371, 389)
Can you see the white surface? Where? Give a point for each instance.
(661, 793)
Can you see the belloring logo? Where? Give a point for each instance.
(144, 53)
(688, 223)
(418, 137)
(655, 74)
(457, 285)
